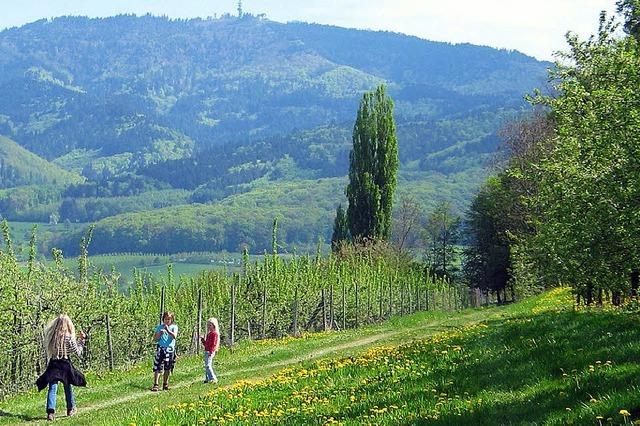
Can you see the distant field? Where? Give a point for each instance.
(157, 264)
(21, 232)
(188, 264)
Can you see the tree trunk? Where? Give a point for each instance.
(599, 302)
(589, 297)
(635, 279)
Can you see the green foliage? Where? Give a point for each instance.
(535, 363)
(20, 167)
(631, 11)
(487, 264)
(441, 235)
(54, 102)
(587, 226)
(266, 289)
(373, 168)
(340, 234)
(220, 123)
(35, 203)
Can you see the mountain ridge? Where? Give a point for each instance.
(155, 112)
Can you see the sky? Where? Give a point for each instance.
(536, 28)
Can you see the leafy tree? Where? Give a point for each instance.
(405, 223)
(502, 205)
(340, 229)
(487, 264)
(631, 12)
(587, 225)
(373, 168)
(441, 236)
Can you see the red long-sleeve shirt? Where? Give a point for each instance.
(211, 341)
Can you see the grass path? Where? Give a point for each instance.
(115, 398)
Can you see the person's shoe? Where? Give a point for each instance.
(72, 411)
(165, 386)
(154, 388)
(50, 417)
(206, 381)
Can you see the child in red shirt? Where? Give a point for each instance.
(211, 343)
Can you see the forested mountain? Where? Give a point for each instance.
(216, 106)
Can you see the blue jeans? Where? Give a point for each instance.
(51, 397)
(209, 375)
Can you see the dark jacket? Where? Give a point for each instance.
(60, 370)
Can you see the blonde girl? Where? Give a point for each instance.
(61, 341)
(211, 343)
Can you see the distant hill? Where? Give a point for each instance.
(105, 84)
(20, 167)
(158, 112)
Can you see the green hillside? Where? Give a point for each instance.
(535, 362)
(111, 84)
(157, 113)
(20, 167)
(305, 209)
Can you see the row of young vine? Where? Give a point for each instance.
(272, 297)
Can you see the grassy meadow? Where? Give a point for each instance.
(540, 361)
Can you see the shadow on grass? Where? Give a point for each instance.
(23, 417)
(543, 368)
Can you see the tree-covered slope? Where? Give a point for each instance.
(74, 83)
(304, 207)
(217, 107)
(20, 167)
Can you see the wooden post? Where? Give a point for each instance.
(263, 331)
(161, 303)
(357, 306)
(232, 330)
(390, 297)
(249, 329)
(426, 299)
(368, 302)
(344, 308)
(324, 310)
(380, 294)
(109, 341)
(199, 319)
(331, 312)
(295, 312)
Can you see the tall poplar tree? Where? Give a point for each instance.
(373, 168)
(340, 229)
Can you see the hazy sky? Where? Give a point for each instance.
(535, 27)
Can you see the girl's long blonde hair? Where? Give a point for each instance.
(54, 336)
(214, 321)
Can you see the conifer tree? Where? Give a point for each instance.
(340, 229)
(373, 168)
